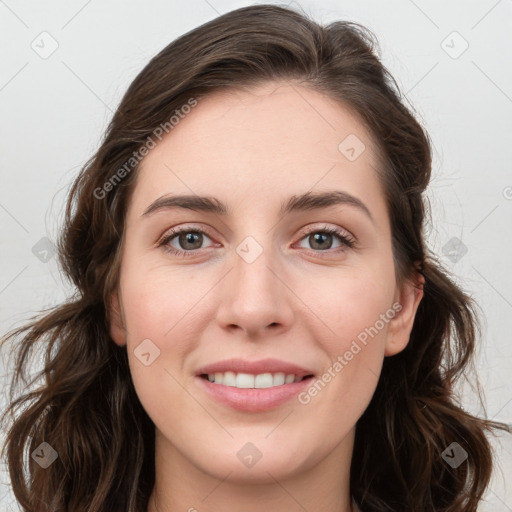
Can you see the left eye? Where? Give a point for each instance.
(322, 239)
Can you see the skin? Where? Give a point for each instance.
(253, 149)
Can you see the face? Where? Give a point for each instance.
(261, 274)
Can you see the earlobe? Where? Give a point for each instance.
(400, 326)
(117, 330)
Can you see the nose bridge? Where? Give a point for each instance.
(253, 262)
(254, 298)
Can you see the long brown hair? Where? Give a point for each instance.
(86, 407)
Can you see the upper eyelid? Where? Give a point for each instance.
(327, 227)
(175, 231)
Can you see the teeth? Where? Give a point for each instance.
(244, 380)
(247, 380)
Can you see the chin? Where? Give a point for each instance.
(262, 461)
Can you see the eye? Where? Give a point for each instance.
(183, 241)
(322, 239)
(186, 241)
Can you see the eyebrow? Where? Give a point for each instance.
(304, 202)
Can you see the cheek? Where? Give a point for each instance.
(355, 310)
(160, 302)
(163, 320)
(348, 302)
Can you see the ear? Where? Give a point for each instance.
(117, 330)
(400, 327)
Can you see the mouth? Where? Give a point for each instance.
(253, 386)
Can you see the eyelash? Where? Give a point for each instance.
(164, 241)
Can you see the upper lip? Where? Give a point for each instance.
(254, 367)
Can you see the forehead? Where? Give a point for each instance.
(270, 141)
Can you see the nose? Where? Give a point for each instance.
(255, 297)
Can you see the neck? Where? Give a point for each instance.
(181, 485)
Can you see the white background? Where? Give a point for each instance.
(54, 111)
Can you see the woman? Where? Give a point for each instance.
(258, 322)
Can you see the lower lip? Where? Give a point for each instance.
(254, 399)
